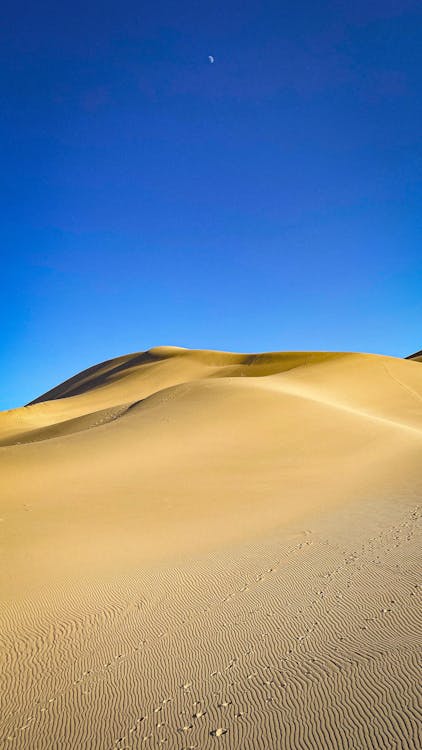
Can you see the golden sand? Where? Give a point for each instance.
(204, 549)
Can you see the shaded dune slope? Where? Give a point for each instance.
(417, 356)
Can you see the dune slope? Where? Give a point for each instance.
(203, 548)
(417, 356)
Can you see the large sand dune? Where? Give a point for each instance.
(202, 549)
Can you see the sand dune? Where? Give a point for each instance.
(416, 356)
(201, 548)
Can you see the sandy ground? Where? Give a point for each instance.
(202, 549)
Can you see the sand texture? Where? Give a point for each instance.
(204, 550)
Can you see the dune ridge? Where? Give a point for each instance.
(204, 548)
(121, 381)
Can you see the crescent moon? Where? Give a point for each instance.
(211, 58)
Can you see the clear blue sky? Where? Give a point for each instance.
(271, 200)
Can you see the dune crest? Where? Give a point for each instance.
(204, 548)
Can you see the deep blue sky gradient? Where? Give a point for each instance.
(268, 201)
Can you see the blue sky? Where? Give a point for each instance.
(271, 200)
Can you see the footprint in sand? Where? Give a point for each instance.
(186, 728)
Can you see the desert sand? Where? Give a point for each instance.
(202, 549)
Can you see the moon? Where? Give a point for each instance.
(211, 58)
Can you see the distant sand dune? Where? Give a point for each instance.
(417, 356)
(203, 549)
